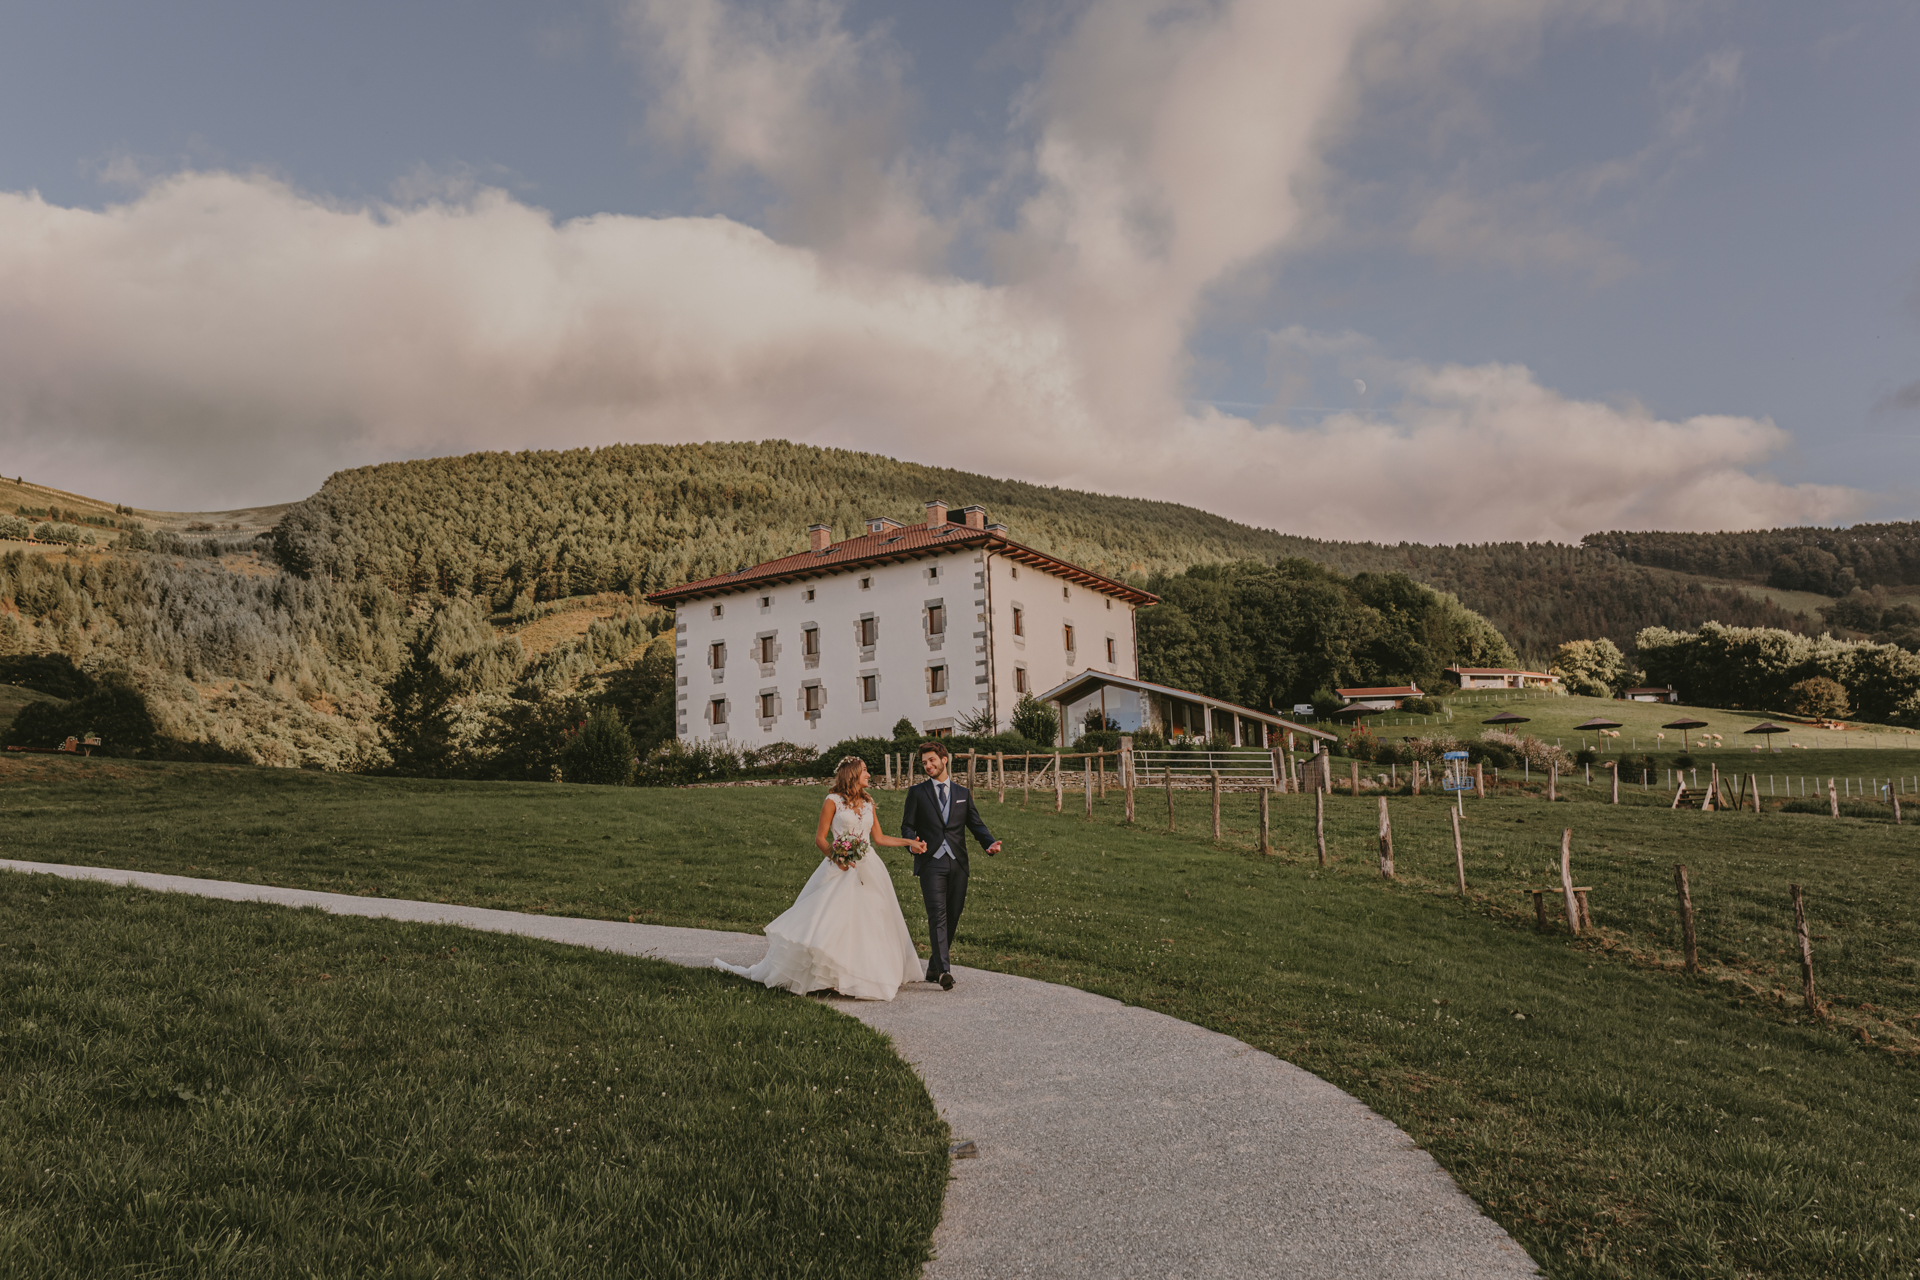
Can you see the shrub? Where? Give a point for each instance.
(1421, 706)
(903, 731)
(599, 752)
(1585, 756)
(1491, 754)
(674, 763)
(1818, 696)
(1683, 761)
(873, 750)
(1034, 720)
(1098, 740)
(115, 710)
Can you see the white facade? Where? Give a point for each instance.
(849, 653)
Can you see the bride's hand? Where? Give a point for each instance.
(918, 846)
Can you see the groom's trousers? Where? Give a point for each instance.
(944, 889)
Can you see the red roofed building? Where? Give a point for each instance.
(945, 623)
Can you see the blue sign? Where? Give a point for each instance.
(1454, 755)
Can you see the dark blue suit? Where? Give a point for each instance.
(943, 881)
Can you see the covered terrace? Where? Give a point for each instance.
(1140, 705)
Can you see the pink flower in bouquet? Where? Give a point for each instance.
(846, 851)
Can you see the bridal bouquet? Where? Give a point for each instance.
(848, 850)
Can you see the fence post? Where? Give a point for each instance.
(1353, 777)
(1480, 781)
(1566, 880)
(1087, 776)
(1126, 777)
(1753, 785)
(1216, 804)
(1553, 780)
(1266, 822)
(1059, 786)
(1026, 778)
(973, 766)
(1101, 757)
(1386, 842)
(1833, 800)
(1896, 808)
(1459, 851)
(1169, 777)
(1615, 766)
(1320, 823)
(1540, 910)
(1806, 950)
(1688, 948)
(1000, 767)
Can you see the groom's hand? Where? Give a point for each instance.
(993, 848)
(918, 846)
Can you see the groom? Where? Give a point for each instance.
(940, 812)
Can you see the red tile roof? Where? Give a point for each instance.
(890, 546)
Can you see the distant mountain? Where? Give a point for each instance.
(532, 527)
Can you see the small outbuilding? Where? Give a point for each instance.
(1500, 678)
(1647, 693)
(1386, 698)
(1142, 706)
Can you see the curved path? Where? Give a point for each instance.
(1113, 1141)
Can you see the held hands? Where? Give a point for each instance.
(918, 846)
(993, 848)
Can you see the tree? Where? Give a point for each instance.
(1034, 720)
(1818, 696)
(903, 730)
(599, 752)
(1593, 668)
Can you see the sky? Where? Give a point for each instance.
(1454, 270)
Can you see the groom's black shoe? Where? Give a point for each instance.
(946, 982)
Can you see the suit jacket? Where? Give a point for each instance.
(921, 821)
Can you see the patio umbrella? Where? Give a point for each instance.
(1506, 718)
(1769, 728)
(1598, 722)
(1685, 723)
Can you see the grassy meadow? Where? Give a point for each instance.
(1619, 1117)
(197, 1088)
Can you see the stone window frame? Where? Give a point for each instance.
(807, 595)
(766, 604)
(866, 641)
(939, 683)
(1068, 636)
(866, 583)
(870, 683)
(719, 611)
(767, 642)
(935, 639)
(717, 649)
(718, 723)
(1113, 649)
(814, 691)
(1019, 625)
(1020, 683)
(810, 644)
(760, 707)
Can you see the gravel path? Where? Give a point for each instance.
(1113, 1141)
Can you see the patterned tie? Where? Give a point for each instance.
(943, 800)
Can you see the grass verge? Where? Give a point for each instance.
(209, 1088)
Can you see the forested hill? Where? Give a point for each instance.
(1831, 562)
(529, 527)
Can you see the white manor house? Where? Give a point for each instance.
(945, 623)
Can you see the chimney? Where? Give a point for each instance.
(936, 513)
(820, 536)
(998, 529)
(976, 516)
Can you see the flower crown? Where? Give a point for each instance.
(847, 760)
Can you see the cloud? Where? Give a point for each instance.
(222, 338)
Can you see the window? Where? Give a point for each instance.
(936, 619)
(807, 594)
(1019, 621)
(933, 574)
(719, 611)
(936, 679)
(766, 649)
(1013, 570)
(812, 693)
(768, 702)
(1019, 679)
(1109, 604)
(865, 583)
(717, 654)
(869, 688)
(766, 602)
(810, 643)
(1113, 650)
(719, 710)
(1065, 594)
(1069, 631)
(869, 632)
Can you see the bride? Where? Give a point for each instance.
(845, 930)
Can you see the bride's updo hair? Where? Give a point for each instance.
(846, 777)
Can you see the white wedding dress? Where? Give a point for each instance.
(845, 930)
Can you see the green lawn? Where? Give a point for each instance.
(1618, 1117)
(196, 1088)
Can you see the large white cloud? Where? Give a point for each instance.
(224, 338)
